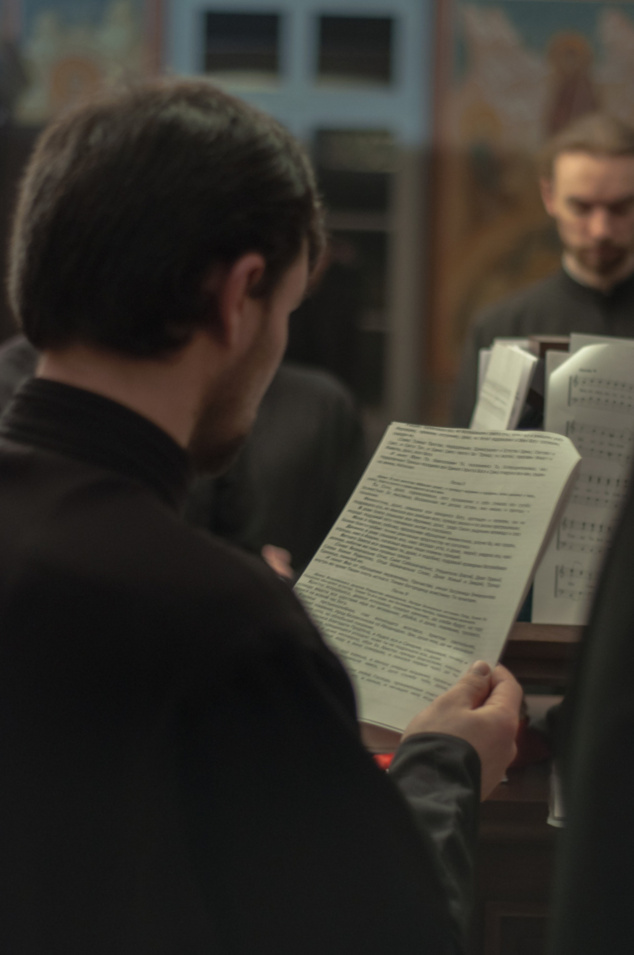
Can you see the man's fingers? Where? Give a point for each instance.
(505, 691)
(474, 687)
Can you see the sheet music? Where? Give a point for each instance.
(590, 399)
(504, 388)
(579, 340)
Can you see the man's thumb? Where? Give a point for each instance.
(476, 683)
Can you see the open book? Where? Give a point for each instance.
(429, 563)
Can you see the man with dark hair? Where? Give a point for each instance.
(137, 291)
(587, 186)
(307, 445)
(181, 765)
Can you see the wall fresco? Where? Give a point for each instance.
(512, 73)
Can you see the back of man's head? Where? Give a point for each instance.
(598, 134)
(128, 204)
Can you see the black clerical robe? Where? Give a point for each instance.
(557, 305)
(180, 768)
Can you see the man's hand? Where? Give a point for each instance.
(482, 708)
(278, 560)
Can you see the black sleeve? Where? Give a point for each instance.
(439, 776)
(292, 822)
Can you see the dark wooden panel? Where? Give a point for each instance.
(514, 866)
(514, 929)
(538, 653)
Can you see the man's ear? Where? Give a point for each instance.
(546, 189)
(230, 287)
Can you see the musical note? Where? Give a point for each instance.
(603, 394)
(609, 444)
(584, 536)
(597, 490)
(574, 582)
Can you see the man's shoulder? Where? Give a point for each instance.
(132, 558)
(165, 555)
(299, 386)
(524, 311)
(217, 604)
(310, 411)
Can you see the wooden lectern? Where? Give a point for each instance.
(516, 844)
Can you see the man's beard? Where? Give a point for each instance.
(218, 435)
(228, 411)
(603, 259)
(213, 458)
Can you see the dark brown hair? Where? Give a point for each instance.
(598, 134)
(129, 201)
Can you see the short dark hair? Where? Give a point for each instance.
(127, 203)
(598, 134)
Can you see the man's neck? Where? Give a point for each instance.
(164, 390)
(602, 283)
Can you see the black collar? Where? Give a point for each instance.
(86, 426)
(622, 289)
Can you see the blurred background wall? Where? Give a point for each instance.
(421, 117)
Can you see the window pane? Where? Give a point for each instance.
(341, 325)
(355, 49)
(354, 168)
(242, 43)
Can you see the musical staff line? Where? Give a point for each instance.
(609, 444)
(604, 394)
(599, 490)
(574, 582)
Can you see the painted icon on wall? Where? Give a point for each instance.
(511, 73)
(69, 49)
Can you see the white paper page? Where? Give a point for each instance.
(504, 389)
(484, 356)
(591, 400)
(428, 565)
(521, 395)
(579, 340)
(552, 360)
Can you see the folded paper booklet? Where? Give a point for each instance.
(504, 389)
(431, 559)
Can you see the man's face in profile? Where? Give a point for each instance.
(230, 408)
(591, 199)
